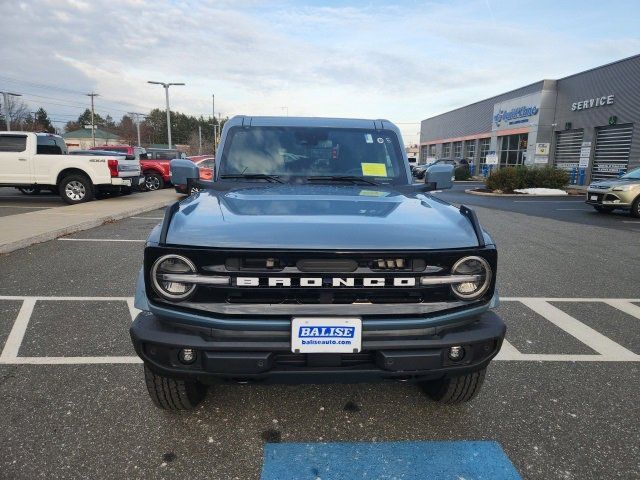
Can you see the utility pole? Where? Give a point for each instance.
(137, 117)
(199, 139)
(93, 127)
(166, 91)
(287, 109)
(6, 96)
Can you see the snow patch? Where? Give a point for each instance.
(541, 191)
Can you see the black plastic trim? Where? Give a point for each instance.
(168, 215)
(473, 218)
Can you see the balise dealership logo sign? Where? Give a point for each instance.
(515, 115)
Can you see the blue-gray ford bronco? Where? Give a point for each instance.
(313, 257)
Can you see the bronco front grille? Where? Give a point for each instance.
(317, 278)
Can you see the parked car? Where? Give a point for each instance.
(617, 193)
(164, 153)
(206, 166)
(312, 257)
(419, 170)
(156, 171)
(41, 160)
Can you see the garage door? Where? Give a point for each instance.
(613, 145)
(568, 145)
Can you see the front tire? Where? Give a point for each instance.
(76, 189)
(173, 394)
(452, 391)
(153, 182)
(635, 208)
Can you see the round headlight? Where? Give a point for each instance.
(475, 266)
(161, 272)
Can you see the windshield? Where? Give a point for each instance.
(632, 175)
(313, 152)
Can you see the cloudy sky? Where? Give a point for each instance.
(404, 61)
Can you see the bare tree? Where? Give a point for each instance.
(18, 112)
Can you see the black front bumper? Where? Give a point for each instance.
(418, 354)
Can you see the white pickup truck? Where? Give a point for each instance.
(41, 160)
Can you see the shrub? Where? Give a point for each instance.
(462, 173)
(505, 179)
(510, 178)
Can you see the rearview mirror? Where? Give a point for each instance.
(183, 170)
(440, 175)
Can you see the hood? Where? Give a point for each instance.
(324, 217)
(614, 182)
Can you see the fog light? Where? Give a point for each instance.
(187, 355)
(456, 353)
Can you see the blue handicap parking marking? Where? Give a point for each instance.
(461, 460)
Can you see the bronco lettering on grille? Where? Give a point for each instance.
(325, 282)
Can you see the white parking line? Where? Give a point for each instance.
(608, 350)
(630, 221)
(627, 307)
(585, 334)
(12, 345)
(548, 201)
(99, 240)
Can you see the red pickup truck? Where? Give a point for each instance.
(156, 171)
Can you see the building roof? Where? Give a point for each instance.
(86, 133)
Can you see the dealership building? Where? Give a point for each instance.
(590, 121)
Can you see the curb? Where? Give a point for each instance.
(522, 195)
(78, 227)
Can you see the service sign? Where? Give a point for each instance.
(542, 148)
(492, 158)
(516, 112)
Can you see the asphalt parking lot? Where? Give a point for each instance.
(560, 402)
(13, 202)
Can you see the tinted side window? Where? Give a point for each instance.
(13, 143)
(48, 146)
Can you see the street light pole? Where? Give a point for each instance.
(93, 127)
(166, 90)
(6, 96)
(137, 117)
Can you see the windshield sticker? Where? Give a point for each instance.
(380, 140)
(374, 169)
(368, 138)
(373, 193)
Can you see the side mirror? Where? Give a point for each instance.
(182, 170)
(440, 176)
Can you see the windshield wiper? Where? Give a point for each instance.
(342, 178)
(252, 176)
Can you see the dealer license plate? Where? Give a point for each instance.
(126, 182)
(594, 197)
(326, 334)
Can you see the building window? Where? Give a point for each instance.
(470, 153)
(446, 150)
(424, 153)
(457, 149)
(432, 150)
(513, 149)
(485, 145)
